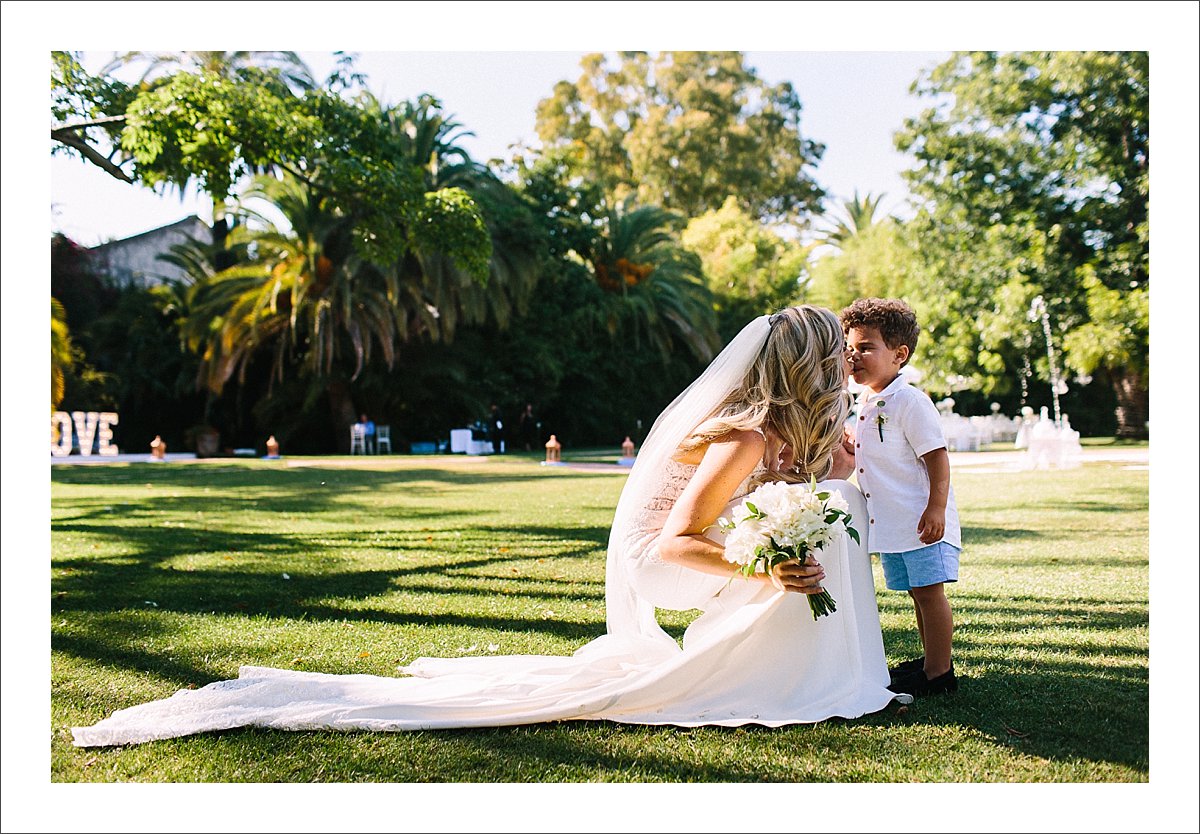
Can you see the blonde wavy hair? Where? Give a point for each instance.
(796, 389)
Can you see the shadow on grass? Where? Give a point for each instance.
(111, 651)
(1070, 702)
(1073, 705)
(122, 584)
(1084, 695)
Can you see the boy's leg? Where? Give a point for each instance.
(937, 627)
(920, 622)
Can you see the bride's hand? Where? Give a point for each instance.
(793, 576)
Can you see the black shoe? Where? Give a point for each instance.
(916, 684)
(904, 667)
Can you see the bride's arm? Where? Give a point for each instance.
(727, 462)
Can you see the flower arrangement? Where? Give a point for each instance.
(779, 522)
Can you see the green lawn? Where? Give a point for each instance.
(169, 576)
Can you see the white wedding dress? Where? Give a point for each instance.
(754, 656)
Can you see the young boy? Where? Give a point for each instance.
(903, 470)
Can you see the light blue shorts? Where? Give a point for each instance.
(917, 568)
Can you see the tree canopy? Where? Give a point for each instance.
(595, 275)
(1033, 171)
(685, 131)
(215, 125)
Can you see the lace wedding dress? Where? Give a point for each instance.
(754, 656)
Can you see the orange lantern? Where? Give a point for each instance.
(627, 448)
(272, 447)
(158, 449)
(553, 450)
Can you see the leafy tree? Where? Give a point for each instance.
(216, 126)
(60, 352)
(685, 130)
(749, 269)
(386, 251)
(652, 288)
(1052, 147)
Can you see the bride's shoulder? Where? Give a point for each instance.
(737, 443)
(755, 438)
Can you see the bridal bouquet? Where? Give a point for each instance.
(778, 522)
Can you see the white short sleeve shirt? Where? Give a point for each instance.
(893, 430)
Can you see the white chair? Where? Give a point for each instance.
(358, 439)
(383, 437)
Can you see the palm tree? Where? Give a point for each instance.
(304, 297)
(428, 139)
(652, 285)
(309, 299)
(60, 352)
(858, 215)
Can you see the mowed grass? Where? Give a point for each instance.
(170, 576)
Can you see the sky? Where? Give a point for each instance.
(841, 100)
(852, 102)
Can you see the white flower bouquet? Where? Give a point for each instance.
(779, 522)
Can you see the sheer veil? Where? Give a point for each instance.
(629, 616)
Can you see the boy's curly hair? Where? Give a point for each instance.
(895, 321)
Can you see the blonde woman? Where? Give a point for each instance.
(770, 407)
(782, 422)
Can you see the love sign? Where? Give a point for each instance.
(89, 428)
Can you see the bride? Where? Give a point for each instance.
(770, 407)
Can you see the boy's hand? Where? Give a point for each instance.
(843, 458)
(932, 525)
(848, 441)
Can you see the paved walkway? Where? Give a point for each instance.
(979, 462)
(172, 457)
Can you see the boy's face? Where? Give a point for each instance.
(872, 362)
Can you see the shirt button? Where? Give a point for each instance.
(862, 417)
(872, 521)
(862, 470)
(868, 495)
(859, 445)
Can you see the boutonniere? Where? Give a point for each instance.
(880, 419)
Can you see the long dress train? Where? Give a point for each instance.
(755, 656)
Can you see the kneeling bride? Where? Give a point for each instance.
(770, 408)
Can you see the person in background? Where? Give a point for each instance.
(527, 428)
(368, 433)
(496, 430)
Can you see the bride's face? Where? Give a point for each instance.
(846, 363)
